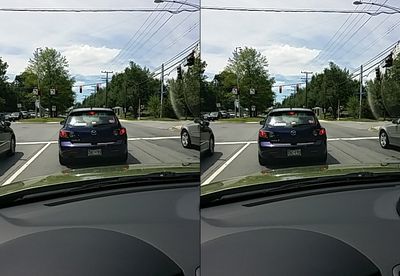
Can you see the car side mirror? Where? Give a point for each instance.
(62, 122)
(197, 121)
(395, 121)
(7, 123)
(205, 123)
(262, 122)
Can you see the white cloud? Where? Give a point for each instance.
(85, 59)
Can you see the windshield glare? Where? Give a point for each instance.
(290, 118)
(91, 119)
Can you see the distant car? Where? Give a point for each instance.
(198, 134)
(389, 134)
(15, 116)
(7, 138)
(213, 116)
(224, 115)
(25, 115)
(291, 133)
(32, 114)
(92, 133)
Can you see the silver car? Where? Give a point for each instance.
(198, 134)
(389, 134)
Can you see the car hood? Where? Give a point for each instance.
(276, 175)
(77, 175)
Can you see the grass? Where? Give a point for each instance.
(150, 119)
(41, 120)
(241, 120)
(354, 119)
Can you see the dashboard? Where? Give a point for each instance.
(116, 232)
(336, 232)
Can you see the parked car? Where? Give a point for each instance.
(389, 134)
(7, 138)
(91, 133)
(15, 116)
(224, 114)
(213, 116)
(291, 133)
(25, 115)
(200, 135)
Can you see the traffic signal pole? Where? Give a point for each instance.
(361, 88)
(162, 90)
(307, 73)
(106, 72)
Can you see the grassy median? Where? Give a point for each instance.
(41, 120)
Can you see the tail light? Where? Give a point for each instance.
(65, 134)
(120, 131)
(320, 132)
(263, 134)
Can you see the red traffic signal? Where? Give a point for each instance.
(80, 89)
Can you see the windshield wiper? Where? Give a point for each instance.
(153, 180)
(294, 185)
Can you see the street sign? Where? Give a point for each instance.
(35, 91)
(52, 91)
(218, 105)
(253, 108)
(142, 106)
(37, 103)
(53, 108)
(237, 103)
(234, 90)
(19, 105)
(252, 91)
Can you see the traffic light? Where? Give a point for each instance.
(297, 87)
(190, 59)
(389, 61)
(280, 89)
(80, 89)
(98, 87)
(378, 74)
(179, 72)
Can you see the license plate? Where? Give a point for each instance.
(294, 152)
(94, 152)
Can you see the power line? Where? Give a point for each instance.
(52, 10)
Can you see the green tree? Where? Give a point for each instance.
(251, 69)
(154, 106)
(48, 69)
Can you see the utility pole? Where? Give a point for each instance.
(307, 73)
(38, 83)
(361, 90)
(162, 89)
(106, 72)
(237, 81)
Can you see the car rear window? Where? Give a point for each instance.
(91, 119)
(291, 118)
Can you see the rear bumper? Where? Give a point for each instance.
(80, 150)
(267, 150)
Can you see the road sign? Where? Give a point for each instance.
(218, 105)
(19, 105)
(234, 91)
(52, 91)
(253, 108)
(37, 104)
(35, 91)
(237, 103)
(53, 108)
(252, 91)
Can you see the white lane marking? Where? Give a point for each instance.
(23, 167)
(129, 139)
(221, 168)
(329, 139)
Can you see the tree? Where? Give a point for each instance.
(4, 87)
(251, 69)
(391, 89)
(154, 106)
(48, 69)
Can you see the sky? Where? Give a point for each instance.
(293, 43)
(95, 42)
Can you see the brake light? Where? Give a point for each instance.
(64, 134)
(91, 113)
(322, 131)
(122, 131)
(263, 134)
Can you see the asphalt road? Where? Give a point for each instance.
(236, 148)
(149, 142)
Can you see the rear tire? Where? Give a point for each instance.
(185, 139)
(11, 151)
(384, 139)
(262, 161)
(211, 146)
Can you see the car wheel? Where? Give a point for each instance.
(11, 151)
(62, 160)
(211, 146)
(262, 161)
(185, 139)
(384, 139)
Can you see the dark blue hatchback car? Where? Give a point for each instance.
(92, 133)
(291, 134)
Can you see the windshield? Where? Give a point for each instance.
(317, 90)
(98, 84)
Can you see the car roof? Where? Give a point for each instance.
(90, 109)
(291, 109)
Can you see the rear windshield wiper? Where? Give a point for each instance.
(162, 180)
(269, 189)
